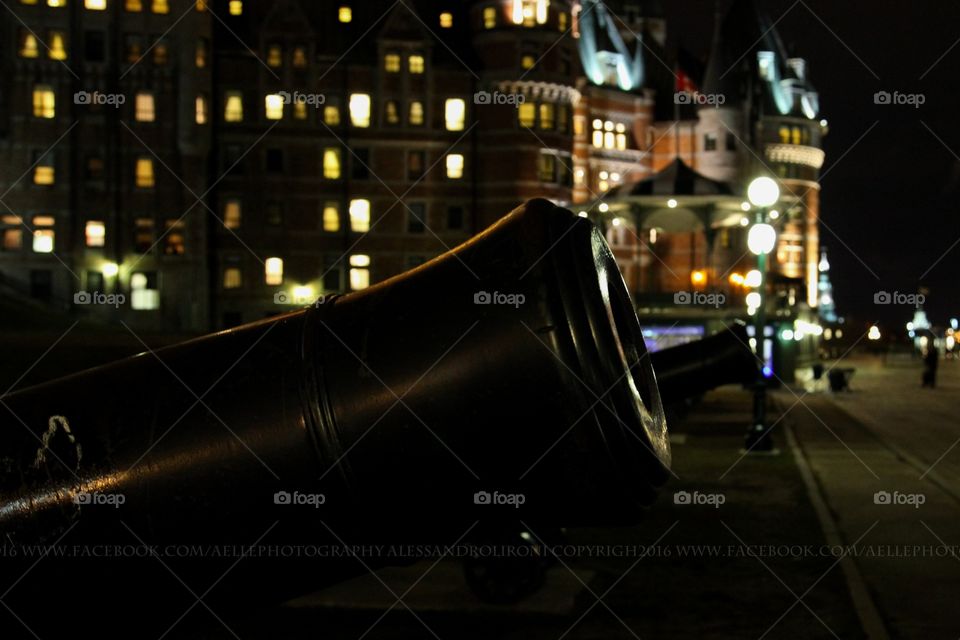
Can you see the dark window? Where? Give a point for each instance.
(274, 160)
(417, 218)
(94, 168)
(94, 46)
(274, 213)
(416, 164)
(731, 142)
(41, 284)
(331, 276)
(95, 281)
(132, 48)
(234, 159)
(232, 319)
(360, 164)
(709, 142)
(455, 217)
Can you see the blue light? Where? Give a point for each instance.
(767, 372)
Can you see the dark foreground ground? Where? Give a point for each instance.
(786, 546)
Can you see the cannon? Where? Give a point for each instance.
(507, 378)
(689, 370)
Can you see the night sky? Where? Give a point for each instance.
(889, 202)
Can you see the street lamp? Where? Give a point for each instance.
(763, 192)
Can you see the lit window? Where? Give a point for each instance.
(345, 14)
(200, 59)
(233, 107)
(95, 233)
(360, 215)
(44, 101)
(144, 107)
(232, 278)
(416, 113)
(144, 295)
(160, 6)
(527, 114)
(58, 46)
(201, 110)
(160, 53)
(300, 110)
(562, 21)
(299, 58)
(236, 7)
(359, 271)
(360, 109)
(415, 64)
(455, 111)
(392, 112)
(331, 163)
(12, 239)
(232, 212)
(547, 167)
(143, 234)
(446, 19)
(331, 217)
(133, 5)
(546, 116)
(598, 134)
(391, 62)
(43, 234)
(144, 173)
(56, 3)
(274, 106)
(201, 5)
(455, 166)
(527, 61)
(94, 5)
(275, 56)
(43, 171)
(28, 45)
(273, 271)
(331, 115)
(489, 17)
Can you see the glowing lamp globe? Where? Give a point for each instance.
(763, 192)
(761, 238)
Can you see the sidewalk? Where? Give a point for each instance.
(701, 578)
(911, 577)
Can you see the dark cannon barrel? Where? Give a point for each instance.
(691, 369)
(505, 379)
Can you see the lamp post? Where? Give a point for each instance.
(761, 238)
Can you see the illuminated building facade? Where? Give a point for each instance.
(333, 144)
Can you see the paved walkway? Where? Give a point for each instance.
(871, 453)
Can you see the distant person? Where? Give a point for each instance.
(930, 361)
